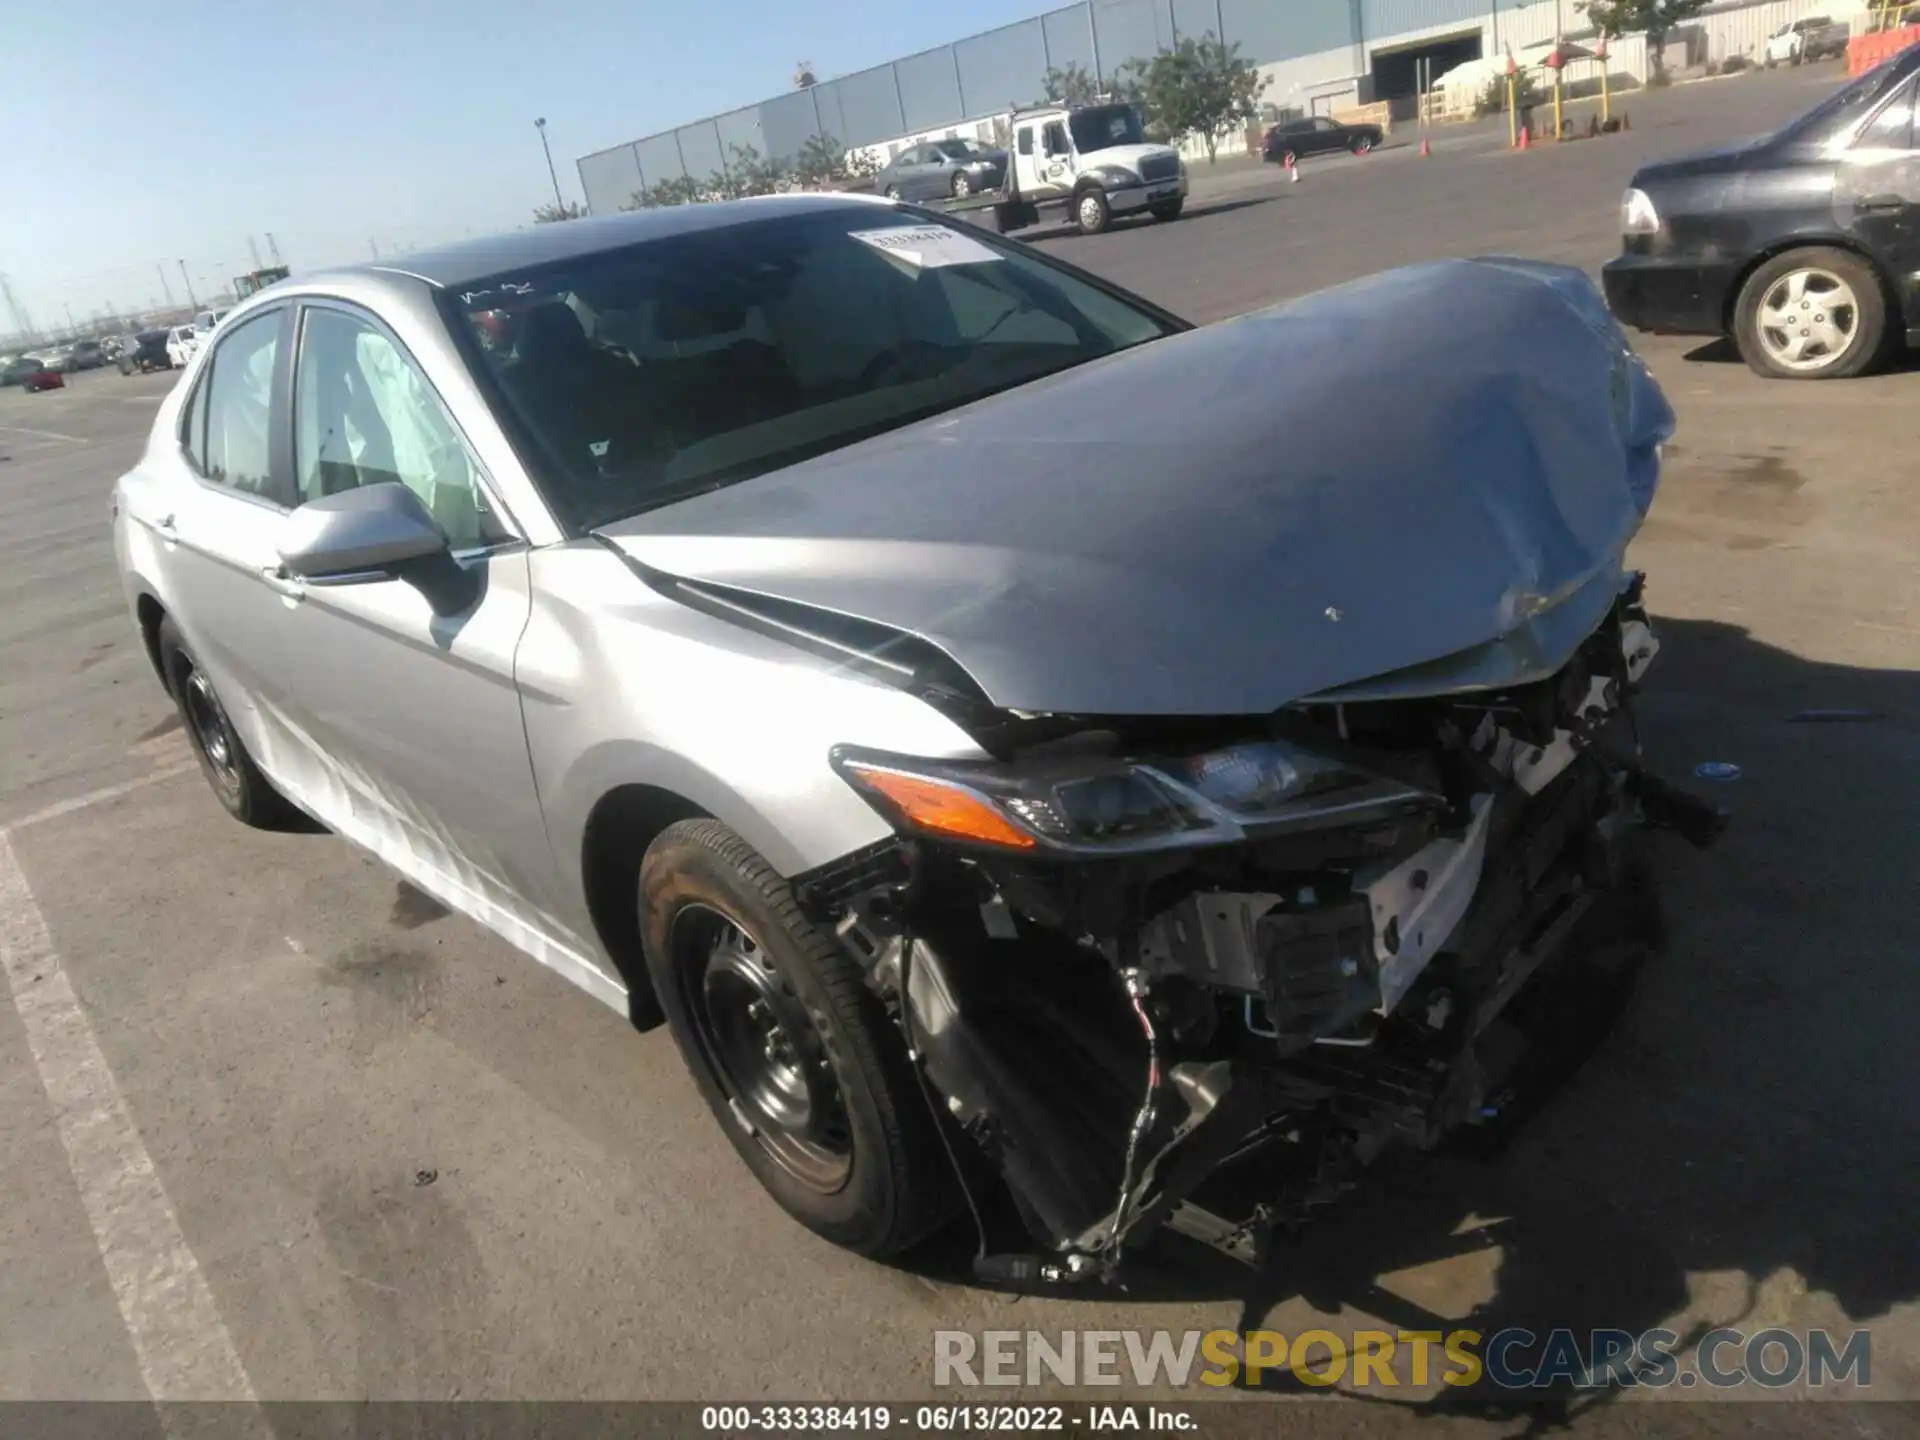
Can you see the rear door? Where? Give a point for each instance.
(1877, 196)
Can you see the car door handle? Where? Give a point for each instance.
(1875, 204)
(277, 578)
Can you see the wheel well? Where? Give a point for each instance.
(147, 610)
(1824, 242)
(624, 822)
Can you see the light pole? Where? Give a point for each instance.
(552, 174)
(189, 283)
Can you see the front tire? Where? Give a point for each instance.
(1169, 209)
(1091, 212)
(1361, 146)
(893, 192)
(1811, 314)
(236, 782)
(962, 186)
(793, 1054)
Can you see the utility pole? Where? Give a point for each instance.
(22, 321)
(165, 289)
(273, 249)
(187, 280)
(72, 325)
(553, 174)
(253, 250)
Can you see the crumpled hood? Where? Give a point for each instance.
(1228, 520)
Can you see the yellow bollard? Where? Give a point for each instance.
(1559, 117)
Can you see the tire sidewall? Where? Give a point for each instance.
(177, 662)
(1105, 213)
(698, 876)
(1869, 333)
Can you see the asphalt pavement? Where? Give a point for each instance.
(270, 1119)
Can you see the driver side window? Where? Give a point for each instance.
(363, 414)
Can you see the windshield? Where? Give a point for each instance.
(646, 374)
(1838, 113)
(1101, 126)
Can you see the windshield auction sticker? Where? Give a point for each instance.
(926, 247)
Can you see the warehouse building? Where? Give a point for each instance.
(1317, 56)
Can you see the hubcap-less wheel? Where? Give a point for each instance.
(211, 731)
(1807, 319)
(764, 1048)
(962, 186)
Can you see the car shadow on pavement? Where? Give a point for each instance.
(1722, 351)
(1199, 211)
(1740, 1148)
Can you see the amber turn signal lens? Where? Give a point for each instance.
(943, 809)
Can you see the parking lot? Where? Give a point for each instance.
(405, 1162)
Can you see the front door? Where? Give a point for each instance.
(1876, 196)
(402, 692)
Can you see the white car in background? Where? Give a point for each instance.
(181, 343)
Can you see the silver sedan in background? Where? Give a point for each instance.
(1004, 745)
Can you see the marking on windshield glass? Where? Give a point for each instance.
(927, 247)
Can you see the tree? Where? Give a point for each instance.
(1658, 18)
(1201, 87)
(676, 190)
(550, 214)
(746, 173)
(821, 160)
(1071, 86)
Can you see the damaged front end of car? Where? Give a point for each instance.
(1194, 974)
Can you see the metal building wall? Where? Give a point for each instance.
(985, 75)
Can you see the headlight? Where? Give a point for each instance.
(1112, 175)
(1637, 214)
(1116, 806)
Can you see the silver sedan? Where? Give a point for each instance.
(938, 684)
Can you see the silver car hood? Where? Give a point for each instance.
(1435, 465)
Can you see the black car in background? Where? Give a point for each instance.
(148, 351)
(1316, 135)
(940, 168)
(1803, 247)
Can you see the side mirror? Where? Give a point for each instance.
(359, 533)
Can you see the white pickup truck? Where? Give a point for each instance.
(1814, 37)
(1087, 163)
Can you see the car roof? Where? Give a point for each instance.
(479, 259)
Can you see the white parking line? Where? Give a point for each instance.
(100, 796)
(43, 434)
(182, 1344)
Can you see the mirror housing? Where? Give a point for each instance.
(366, 531)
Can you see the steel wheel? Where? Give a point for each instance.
(1808, 319)
(962, 186)
(764, 1048)
(212, 732)
(1091, 212)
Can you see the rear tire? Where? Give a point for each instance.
(236, 782)
(793, 1054)
(1822, 273)
(1361, 146)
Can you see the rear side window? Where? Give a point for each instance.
(239, 404)
(1892, 128)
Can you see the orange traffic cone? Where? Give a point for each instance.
(1426, 148)
(1526, 137)
(1293, 167)
(1626, 121)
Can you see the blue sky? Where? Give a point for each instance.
(138, 133)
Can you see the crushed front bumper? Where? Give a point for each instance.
(1215, 1041)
